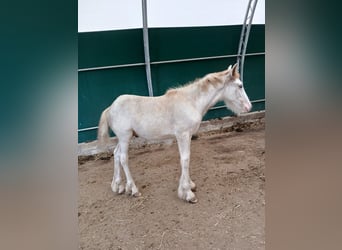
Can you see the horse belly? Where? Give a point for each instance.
(153, 129)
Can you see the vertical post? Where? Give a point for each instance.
(146, 48)
(245, 35)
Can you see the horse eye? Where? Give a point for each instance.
(240, 86)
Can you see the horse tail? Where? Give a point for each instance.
(102, 133)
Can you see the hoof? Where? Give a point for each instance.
(193, 200)
(121, 189)
(117, 188)
(114, 187)
(137, 194)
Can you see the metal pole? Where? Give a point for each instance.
(146, 48)
(167, 61)
(243, 31)
(245, 35)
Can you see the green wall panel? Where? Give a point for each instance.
(190, 42)
(254, 77)
(96, 49)
(256, 42)
(87, 136)
(98, 88)
(179, 43)
(165, 76)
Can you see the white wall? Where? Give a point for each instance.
(99, 15)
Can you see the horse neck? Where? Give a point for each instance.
(206, 95)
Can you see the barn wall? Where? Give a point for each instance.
(98, 88)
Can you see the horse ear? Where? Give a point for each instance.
(235, 68)
(229, 72)
(235, 71)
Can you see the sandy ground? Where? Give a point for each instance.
(228, 168)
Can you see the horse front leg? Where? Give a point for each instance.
(185, 183)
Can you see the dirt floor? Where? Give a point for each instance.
(228, 168)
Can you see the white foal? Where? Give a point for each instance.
(178, 113)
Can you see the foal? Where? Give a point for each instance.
(178, 113)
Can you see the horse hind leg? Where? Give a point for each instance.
(116, 185)
(130, 184)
